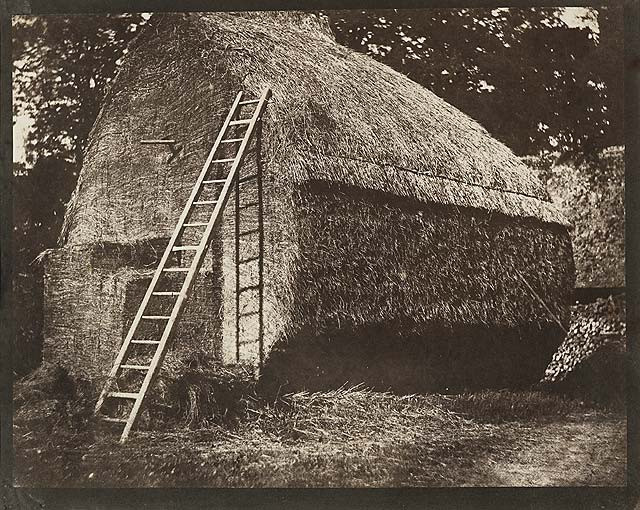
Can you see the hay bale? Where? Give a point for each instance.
(92, 293)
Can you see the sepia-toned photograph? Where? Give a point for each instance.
(329, 248)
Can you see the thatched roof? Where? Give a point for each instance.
(336, 115)
(340, 115)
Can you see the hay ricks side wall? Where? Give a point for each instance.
(411, 296)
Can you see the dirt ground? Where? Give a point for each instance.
(346, 439)
(566, 454)
(582, 453)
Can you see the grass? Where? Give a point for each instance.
(503, 406)
(346, 437)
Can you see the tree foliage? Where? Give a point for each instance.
(532, 80)
(62, 68)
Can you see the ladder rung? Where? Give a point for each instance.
(250, 101)
(247, 314)
(156, 317)
(247, 178)
(113, 420)
(149, 342)
(184, 248)
(177, 269)
(248, 287)
(249, 232)
(196, 224)
(239, 122)
(148, 142)
(250, 259)
(122, 394)
(205, 202)
(250, 204)
(214, 181)
(227, 160)
(135, 367)
(165, 293)
(232, 140)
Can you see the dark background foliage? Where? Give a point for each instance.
(524, 74)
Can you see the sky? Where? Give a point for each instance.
(571, 16)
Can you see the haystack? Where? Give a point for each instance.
(403, 245)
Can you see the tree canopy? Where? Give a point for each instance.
(62, 68)
(532, 80)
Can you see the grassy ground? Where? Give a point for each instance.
(348, 437)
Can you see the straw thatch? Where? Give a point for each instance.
(383, 204)
(335, 115)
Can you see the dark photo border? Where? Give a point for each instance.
(455, 498)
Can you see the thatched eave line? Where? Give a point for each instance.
(422, 173)
(304, 166)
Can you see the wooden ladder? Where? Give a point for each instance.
(149, 349)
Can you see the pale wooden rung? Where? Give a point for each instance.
(122, 394)
(156, 317)
(250, 101)
(135, 367)
(248, 205)
(248, 287)
(184, 248)
(113, 420)
(176, 269)
(150, 342)
(166, 293)
(205, 202)
(214, 181)
(239, 122)
(247, 178)
(226, 160)
(232, 140)
(197, 224)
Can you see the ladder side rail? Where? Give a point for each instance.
(237, 268)
(260, 248)
(145, 300)
(214, 221)
(224, 194)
